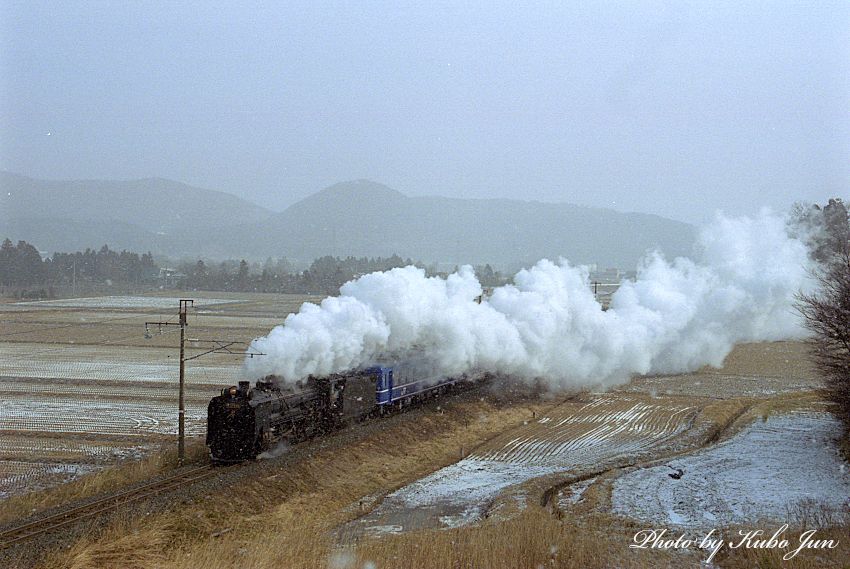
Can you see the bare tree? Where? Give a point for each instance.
(826, 313)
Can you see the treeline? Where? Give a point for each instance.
(324, 275)
(24, 274)
(22, 268)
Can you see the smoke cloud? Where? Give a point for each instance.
(547, 326)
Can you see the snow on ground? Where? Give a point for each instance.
(763, 472)
(123, 417)
(62, 448)
(574, 493)
(124, 302)
(37, 475)
(69, 362)
(82, 389)
(568, 439)
(85, 389)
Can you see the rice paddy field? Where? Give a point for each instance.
(85, 388)
(583, 432)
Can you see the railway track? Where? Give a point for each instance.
(29, 530)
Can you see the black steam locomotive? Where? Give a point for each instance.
(243, 422)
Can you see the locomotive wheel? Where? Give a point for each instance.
(263, 441)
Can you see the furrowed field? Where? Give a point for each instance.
(85, 389)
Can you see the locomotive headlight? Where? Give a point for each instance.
(232, 391)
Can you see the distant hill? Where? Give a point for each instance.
(365, 218)
(360, 218)
(153, 213)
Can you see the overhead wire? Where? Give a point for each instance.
(111, 341)
(72, 325)
(73, 363)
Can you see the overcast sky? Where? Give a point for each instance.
(670, 108)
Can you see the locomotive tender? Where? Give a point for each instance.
(244, 422)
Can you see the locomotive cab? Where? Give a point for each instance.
(231, 425)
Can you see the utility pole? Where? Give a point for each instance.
(217, 347)
(181, 404)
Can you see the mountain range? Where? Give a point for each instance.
(360, 218)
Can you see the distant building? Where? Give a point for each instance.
(170, 278)
(609, 275)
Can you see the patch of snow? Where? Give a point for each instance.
(470, 480)
(460, 493)
(67, 362)
(573, 494)
(387, 529)
(122, 417)
(763, 472)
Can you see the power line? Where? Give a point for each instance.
(59, 347)
(75, 324)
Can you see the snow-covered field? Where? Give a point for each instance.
(107, 417)
(146, 391)
(123, 302)
(763, 472)
(63, 448)
(84, 388)
(112, 363)
(568, 438)
(36, 475)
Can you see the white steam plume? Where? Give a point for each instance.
(676, 316)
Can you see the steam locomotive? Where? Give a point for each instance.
(244, 422)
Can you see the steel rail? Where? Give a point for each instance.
(37, 527)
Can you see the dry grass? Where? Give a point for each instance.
(532, 539)
(107, 480)
(292, 510)
(767, 359)
(287, 519)
(123, 547)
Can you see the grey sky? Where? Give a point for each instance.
(670, 108)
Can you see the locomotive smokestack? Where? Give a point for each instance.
(244, 386)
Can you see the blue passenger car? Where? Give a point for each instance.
(395, 385)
